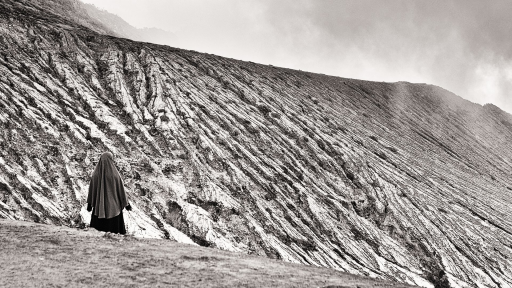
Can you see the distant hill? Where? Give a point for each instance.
(123, 29)
(101, 21)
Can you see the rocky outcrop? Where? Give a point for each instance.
(401, 181)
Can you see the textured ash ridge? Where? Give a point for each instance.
(400, 181)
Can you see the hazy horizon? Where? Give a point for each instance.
(462, 46)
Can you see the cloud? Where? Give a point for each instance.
(461, 45)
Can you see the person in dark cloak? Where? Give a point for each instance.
(107, 197)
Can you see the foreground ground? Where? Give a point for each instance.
(35, 255)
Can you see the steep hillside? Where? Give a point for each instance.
(72, 10)
(398, 181)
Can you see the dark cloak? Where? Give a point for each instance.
(113, 225)
(106, 190)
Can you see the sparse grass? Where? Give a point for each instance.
(37, 255)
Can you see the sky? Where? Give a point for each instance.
(464, 46)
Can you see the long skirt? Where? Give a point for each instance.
(114, 225)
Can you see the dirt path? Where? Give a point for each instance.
(37, 255)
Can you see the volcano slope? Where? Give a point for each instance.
(399, 181)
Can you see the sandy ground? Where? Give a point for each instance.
(37, 255)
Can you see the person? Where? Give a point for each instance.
(107, 197)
